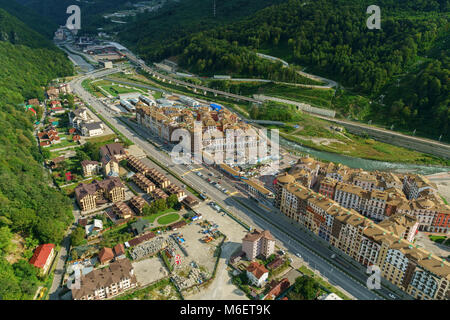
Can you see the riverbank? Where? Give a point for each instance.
(321, 135)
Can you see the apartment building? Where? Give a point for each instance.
(390, 180)
(90, 196)
(373, 204)
(137, 203)
(90, 168)
(173, 189)
(158, 194)
(158, 178)
(334, 171)
(258, 243)
(107, 282)
(386, 245)
(367, 181)
(349, 196)
(413, 185)
(217, 129)
(306, 171)
(401, 225)
(328, 187)
(143, 183)
(432, 215)
(122, 210)
(257, 190)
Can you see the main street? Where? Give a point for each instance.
(297, 241)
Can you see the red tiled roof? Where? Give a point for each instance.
(105, 255)
(119, 249)
(41, 254)
(257, 269)
(278, 288)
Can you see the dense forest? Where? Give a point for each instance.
(31, 18)
(330, 38)
(206, 56)
(31, 211)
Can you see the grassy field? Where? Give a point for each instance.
(153, 217)
(115, 89)
(167, 219)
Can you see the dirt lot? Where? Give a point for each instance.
(149, 270)
(202, 253)
(221, 287)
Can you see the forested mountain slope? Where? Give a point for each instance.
(31, 18)
(330, 38)
(30, 210)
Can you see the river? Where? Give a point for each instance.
(365, 164)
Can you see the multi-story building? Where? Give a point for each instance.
(143, 183)
(90, 168)
(257, 274)
(158, 194)
(386, 245)
(221, 132)
(137, 203)
(349, 196)
(43, 257)
(106, 282)
(367, 181)
(413, 185)
(96, 193)
(122, 210)
(328, 187)
(173, 189)
(158, 178)
(373, 204)
(402, 225)
(257, 243)
(137, 165)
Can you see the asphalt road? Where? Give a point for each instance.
(310, 247)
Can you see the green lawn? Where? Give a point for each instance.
(153, 217)
(439, 239)
(167, 219)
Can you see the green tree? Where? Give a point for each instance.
(77, 237)
(305, 288)
(6, 245)
(172, 201)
